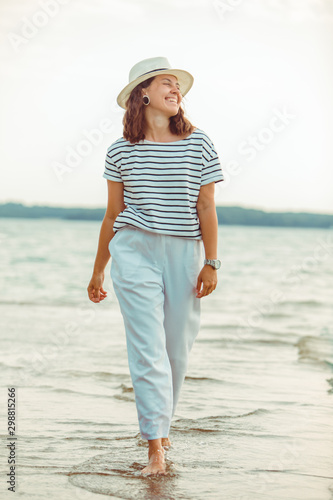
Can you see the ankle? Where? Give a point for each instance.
(156, 448)
(156, 455)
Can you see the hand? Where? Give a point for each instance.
(96, 293)
(208, 278)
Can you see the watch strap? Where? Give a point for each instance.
(215, 263)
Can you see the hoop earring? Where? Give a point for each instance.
(146, 100)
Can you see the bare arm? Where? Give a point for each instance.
(208, 225)
(115, 205)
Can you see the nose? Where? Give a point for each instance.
(176, 90)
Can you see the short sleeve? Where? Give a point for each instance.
(211, 166)
(111, 169)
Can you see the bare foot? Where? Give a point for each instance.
(156, 463)
(166, 443)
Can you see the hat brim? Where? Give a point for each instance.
(185, 80)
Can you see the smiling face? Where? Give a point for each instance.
(164, 94)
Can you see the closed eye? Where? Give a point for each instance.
(178, 88)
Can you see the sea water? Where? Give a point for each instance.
(254, 420)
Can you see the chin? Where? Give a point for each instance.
(173, 112)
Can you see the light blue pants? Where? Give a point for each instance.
(154, 278)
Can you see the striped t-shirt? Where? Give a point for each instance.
(162, 182)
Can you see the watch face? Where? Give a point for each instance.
(217, 264)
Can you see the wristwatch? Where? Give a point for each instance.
(215, 263)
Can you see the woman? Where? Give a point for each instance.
(161, 176)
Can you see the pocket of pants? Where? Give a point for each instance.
(195, 262)
(111, 244)
(127, 253)
(113, 241)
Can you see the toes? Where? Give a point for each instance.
(148, 472)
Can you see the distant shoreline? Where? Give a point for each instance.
(226, 215)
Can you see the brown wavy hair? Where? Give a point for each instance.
(134, 118)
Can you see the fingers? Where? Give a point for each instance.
(93, 295)
(96, 294)
(207, 288)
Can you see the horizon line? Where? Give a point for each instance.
(81, 207)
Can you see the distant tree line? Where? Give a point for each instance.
(226, 215)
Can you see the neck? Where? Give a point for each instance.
(157, 126)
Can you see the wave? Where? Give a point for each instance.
(127, 393)
(199, 379)
(39, 303)
(101, 376)
(311, 303)
(5, 364)
(212, 423)
(246, 343)
(62, 390)
(316, 349)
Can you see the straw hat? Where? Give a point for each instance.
(151, 67)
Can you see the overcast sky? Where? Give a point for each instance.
(262, 91)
